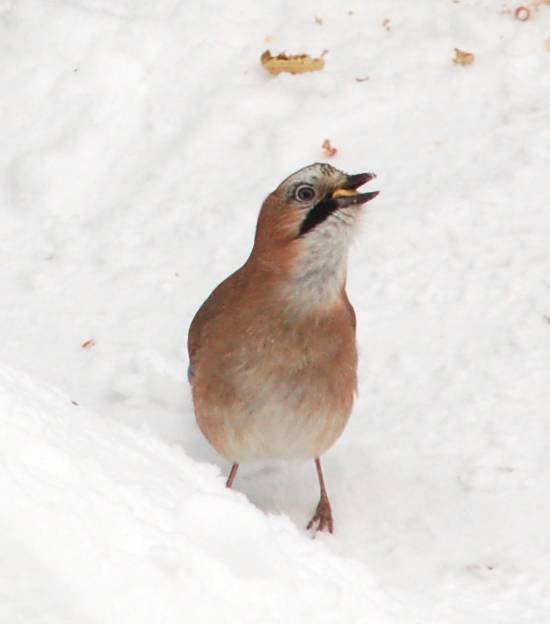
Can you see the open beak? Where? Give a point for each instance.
(348, 195)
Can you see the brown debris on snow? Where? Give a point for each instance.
(463, 58)
(293, 64)
(328, 148)
(522, 13)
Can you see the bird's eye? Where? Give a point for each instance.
(304, 193)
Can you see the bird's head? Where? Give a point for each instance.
(318, 201)
(306, 224)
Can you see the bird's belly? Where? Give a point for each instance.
(285, 436)
(276, 422)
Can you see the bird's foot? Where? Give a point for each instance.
(322, 518)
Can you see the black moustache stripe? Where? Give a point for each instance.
(317, 215)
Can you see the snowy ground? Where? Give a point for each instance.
(138, 141)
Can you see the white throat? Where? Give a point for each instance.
(320, 270)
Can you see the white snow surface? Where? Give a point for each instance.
(139, 139)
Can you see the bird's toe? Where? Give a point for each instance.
(322, 518)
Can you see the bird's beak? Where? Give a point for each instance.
(348, 195)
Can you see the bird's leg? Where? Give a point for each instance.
(322, 519)
(232, 475)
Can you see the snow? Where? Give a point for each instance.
(138, 141)
(109, 524)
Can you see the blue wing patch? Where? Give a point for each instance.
(190, 373)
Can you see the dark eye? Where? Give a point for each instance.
(304, 193)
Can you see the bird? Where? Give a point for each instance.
(272, 350)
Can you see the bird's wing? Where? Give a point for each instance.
(219, 300)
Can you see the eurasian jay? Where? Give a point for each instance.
(272, 351)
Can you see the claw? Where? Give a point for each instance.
(322, 518)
